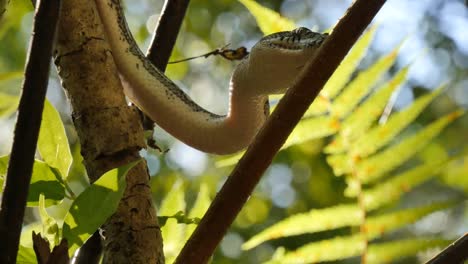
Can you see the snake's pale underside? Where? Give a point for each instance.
(271, 67)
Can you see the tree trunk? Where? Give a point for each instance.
(109, 130)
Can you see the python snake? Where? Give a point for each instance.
(271, 67)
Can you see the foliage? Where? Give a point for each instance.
(49, 186)
(360, 210)
(372, 157)
(174, 233)
(82, 219)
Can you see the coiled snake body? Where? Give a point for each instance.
(270, 68)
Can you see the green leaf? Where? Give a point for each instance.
(94, 206)
(397, 249)
(380, 135)
(26, 233)
(321, 105)
(229, 161)
(373, 168)
(43, 180)
(380, 224)
(340, 163)
(172, 232)
(199, 208)
(8, 104)
(391, 190)
(268, 20)
(26, 255)
(312, 128)
(6, 76)
(50, 228)
(53, 143)
(307, 129)
(342, 74)
(325, 250)
(352, 246)
(455, 174)
(313, 221)
(348, 66)
(359, 121)
(13, 16)
(341, 216)
(362, 85)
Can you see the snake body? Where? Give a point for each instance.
(270, 68)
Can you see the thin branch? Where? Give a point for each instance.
(165, 34)
(228, 54)
(164, 38)
(27, 128)
(240, 184)
(456, 253)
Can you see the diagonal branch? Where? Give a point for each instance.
(27, 128)
(289, 111)
(457, 252)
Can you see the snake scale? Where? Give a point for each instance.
(271, 67)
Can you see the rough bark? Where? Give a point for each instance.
(109, 130)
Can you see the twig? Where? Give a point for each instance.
(456, 253)
(27, 128)
(228, 54)
(165, 34)
(247, 173)
(164, 38)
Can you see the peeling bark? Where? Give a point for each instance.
(109, 130)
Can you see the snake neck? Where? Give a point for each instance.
(197, 127)
(170, 107)
(247, 111)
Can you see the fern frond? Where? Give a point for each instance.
(312, 128)
(359, 121)
(268, 20)
(392, 189)
(381, 135)
(313, 221)
(378, 225)
(376, 166)
(390, 251)
(362, 85)
(341, 75)
(325, 250)
(455, 174)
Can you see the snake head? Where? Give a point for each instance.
(277, 59)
